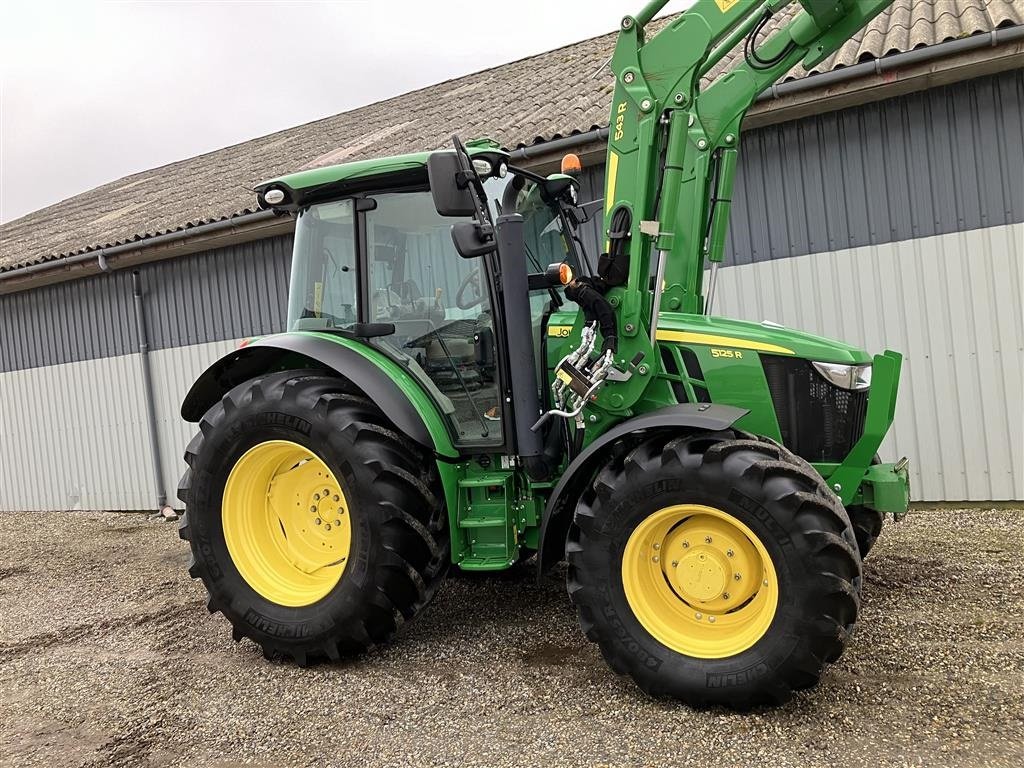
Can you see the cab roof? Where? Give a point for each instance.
(316, 184)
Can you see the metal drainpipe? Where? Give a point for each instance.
(147, 383)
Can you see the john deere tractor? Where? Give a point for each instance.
(460, 386)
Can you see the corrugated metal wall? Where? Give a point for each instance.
(227, 293)
(74, 436)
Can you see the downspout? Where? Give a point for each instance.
(147, 383)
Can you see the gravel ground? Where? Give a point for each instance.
(107, 657)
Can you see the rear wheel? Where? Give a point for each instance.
(715, 570)
(315, 527)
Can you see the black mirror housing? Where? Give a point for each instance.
(561, 187)
(444, 173)
(470, 240)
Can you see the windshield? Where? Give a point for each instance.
(323, 287)
(546, 236)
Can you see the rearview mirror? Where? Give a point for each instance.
(444, 173)
(470, 240)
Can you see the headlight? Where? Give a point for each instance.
(482, 167)
(855, 377)
(274, 196)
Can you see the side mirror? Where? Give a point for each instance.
(470, 240)
(444, 173)
(561, 187)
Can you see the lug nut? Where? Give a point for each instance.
(765, 582)
(337, 522)
(337, 497)
(318, 521)
(313, 509)
(686, 544)
(725, 595)
(657, 546)
(675, 563)
(698, 615)
(327, 492)
(729, 553)
(341, 510)
(737, 576)
(707, 539)
(655, 558)
(316, 497)
(327, 527)
(711, 619)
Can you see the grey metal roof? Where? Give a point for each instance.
(553, 94)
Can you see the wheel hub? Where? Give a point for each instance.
(699, 580)
(286, 523)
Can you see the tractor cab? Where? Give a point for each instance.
(375, 260)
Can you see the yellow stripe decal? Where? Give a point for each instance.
(685, 337)
(613, 171)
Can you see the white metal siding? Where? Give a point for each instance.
(174, 372)
(74, 436)
(952, 305)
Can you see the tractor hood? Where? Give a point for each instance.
(762, 337)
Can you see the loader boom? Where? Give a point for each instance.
(673, 149)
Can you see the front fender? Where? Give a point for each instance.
(393, 390)
(561, 505)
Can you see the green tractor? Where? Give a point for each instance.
(460, 386)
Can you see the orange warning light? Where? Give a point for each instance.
(571, 164)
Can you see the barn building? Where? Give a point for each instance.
(880, 200)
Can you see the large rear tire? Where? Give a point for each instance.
(714, 570)
(316, 528)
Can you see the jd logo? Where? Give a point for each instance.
(725, 5)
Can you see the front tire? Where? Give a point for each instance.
(714, 570)
(867, 527)
(314, 526)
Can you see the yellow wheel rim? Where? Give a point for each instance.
(286, 523)
(699, 581)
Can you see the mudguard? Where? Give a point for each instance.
(561, 504)
(271, 353)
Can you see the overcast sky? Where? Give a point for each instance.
(93, 91)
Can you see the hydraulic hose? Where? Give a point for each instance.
(595, 307)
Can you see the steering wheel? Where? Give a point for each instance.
(470, 284)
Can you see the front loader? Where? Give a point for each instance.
(460, 386)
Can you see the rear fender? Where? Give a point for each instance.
(391, 388)
(561, 505)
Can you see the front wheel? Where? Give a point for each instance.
(314, 526)
(714, 570)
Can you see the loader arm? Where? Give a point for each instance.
(673, 149)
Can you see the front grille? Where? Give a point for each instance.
(818, 420)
